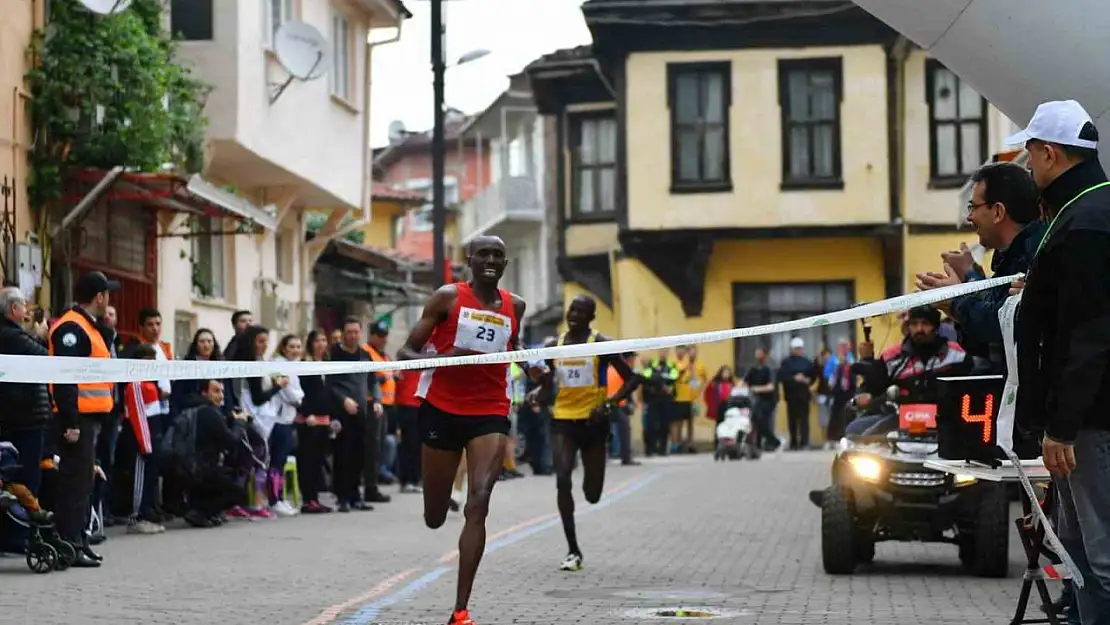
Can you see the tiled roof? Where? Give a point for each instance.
(577, 53)
(381, 191)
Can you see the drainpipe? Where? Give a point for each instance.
(367, 161)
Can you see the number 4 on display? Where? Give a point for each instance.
(984, 419)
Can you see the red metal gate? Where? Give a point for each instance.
(120, 239)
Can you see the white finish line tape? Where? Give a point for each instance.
(69, 370)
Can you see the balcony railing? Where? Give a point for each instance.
(511, 199)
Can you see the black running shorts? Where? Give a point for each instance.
(586, 433)
(442, 430)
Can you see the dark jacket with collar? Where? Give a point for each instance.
(24, 405)
(1063, 326)
(978, 313)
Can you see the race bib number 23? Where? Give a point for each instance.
(483, 331)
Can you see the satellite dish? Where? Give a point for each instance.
(396, 131)
(106, 7)
(301, 50)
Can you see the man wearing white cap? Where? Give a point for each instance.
(796, 375)
(1063, 338)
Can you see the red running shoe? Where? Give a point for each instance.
(460, 617)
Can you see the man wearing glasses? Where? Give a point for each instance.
(1004, 212)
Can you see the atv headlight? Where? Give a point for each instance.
(962, 479)
(867, 468)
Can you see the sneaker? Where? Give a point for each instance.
(411, 489)
(378, 497)
(261, 513)
(460, 617)
(283, 509)
(573, 562)
(315, 507)
(196, 519)
(238, 512)
(145, 527)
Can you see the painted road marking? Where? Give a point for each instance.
(369, 613)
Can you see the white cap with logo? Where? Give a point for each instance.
(1059, 121)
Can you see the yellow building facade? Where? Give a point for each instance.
(753, 172)
(16, 30)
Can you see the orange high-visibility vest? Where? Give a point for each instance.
(613, 383)
(92, 397)
(385, 379)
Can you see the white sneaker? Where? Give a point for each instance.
(573, 562)
(145, 527)
(282, 508)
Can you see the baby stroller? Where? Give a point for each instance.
(46, 551)
(736, 436)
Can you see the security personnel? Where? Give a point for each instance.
(387, 383)
(81, 410)
(659, 377)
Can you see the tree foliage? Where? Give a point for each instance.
(107, 91)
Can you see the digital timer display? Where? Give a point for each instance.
(967, 414)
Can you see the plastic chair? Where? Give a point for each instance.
(292, 490)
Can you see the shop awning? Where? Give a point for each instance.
(265, 217)
(193, 195)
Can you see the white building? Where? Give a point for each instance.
(514, 205)
(304, 151)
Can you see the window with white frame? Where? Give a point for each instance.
(341, 56)
(420, 220)
(278, 12)
(283, 256)
(209, 268)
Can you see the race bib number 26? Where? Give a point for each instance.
(483, 331)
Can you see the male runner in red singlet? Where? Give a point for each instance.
(466, 408)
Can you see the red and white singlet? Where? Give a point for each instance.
(472, 390)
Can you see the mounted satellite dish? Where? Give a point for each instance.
(302, 51)
(106, 7)
(396, 131)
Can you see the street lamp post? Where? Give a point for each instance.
(439, 150)
(441, 268)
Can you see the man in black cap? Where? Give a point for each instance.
(913, 366)
(81, 410)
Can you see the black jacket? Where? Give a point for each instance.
(22, 406)
(1063, 326)
(977, 313)
(217, 434)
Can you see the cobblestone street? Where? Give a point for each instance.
(740, 538)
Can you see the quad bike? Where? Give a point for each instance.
(881, 491)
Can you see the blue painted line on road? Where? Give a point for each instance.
(367, 614)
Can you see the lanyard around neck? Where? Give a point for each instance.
(1048, 231)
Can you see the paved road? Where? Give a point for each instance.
(739, 537)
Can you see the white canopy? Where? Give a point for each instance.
(1016, 53)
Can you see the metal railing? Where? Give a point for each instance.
(513, 198)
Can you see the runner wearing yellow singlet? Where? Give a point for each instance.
(580, 416)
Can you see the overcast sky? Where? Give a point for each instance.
(515, 31)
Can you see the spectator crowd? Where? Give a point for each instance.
(141, 454)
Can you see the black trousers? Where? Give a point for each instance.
(408, 452)
(214, 491)
(657, 427)
(797, 418)
(76, 479)
(350, 457)
(312, 451)
(372, 466)
(623, 417)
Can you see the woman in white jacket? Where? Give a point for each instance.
(282, 436)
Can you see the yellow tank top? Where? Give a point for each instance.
(581, 385)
